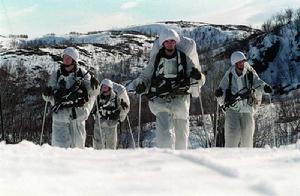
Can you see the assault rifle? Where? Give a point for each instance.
(67, 98)
(176, 89)
(244, 93)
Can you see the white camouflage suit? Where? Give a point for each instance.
(68, 132)
(108, 127)
(239, 118)
(172, 113)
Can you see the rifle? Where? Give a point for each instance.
(244, 93)
(176, 89)
(65, 99)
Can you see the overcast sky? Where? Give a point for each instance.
(39, 17)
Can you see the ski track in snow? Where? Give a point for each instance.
(226, 171)
(261, 185)
(207, 162)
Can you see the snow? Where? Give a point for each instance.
(4, 43)
(29, 169)
(205, 35)
(115, 47)
(111, 38)
(155, 28)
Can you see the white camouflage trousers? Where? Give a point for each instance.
(171, 133)
(172, 123)
(109, 137)
(68, 135)
(239, 129)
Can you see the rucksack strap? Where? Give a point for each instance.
(183, 62)
(58, 73)
(156, 62)
(228, 94)
(250, 78)
(230, 81)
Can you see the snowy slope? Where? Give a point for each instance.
(102, 52)
(121, 54)
(206, 35)
(110, 52)
(277, 57)
(28, 169)
(4, 43)
(274, 55)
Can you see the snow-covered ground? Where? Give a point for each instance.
(28, 169)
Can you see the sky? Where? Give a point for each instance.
(40, 17)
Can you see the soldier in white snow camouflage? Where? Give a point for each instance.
(239, 93)
(167, 80)
(72, 93)
(113, 106)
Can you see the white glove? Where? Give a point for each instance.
(195, 89)
(48, 99)
(122, 118)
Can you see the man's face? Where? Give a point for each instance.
(67, 60)
(68, 63)
(240, 65)
(105, 90)
(169, 44)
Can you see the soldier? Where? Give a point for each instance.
(238, 93)
(167, 80)
(72, 93)
(113, 106)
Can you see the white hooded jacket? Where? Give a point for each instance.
(120, 93)
(82, 113)
(184, 44)
(237, 84)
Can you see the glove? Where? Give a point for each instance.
(122, 117)
(47, 94)
(140, 88)
(48, 91)
(123, 104)
(46, 98)
(94, 82)
(268, 89)
(219, 92)
(195, 73)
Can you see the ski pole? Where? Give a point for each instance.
(101, 135)
(273, 128)
(216, 125)
(139, 129)
(43, 124)
(202, 112)
(130, 130)
(1, 115)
